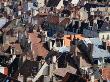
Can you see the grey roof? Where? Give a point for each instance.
(97, 51)
(90, 33)
(105, 27)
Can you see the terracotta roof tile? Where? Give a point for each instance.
(106, 73)
(37, 46)
(68, 38)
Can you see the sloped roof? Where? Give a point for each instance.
(106, 73)
(63, 71)
(37, 45)
(53, 19)
(64, 22)
(97, 51)
(68, 38)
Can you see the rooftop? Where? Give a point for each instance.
(106, 73)
(69, 38)
(97, 51)
(37, 45)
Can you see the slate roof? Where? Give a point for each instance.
(105, 27)
(97, 51)
(53, 3)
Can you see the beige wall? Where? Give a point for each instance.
(105, 34)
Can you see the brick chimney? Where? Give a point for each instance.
(12, 49)
(90, 50)
(90, 47)
(104, 44)
(20, 78)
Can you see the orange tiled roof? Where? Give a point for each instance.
(68, 38)
(106, 73)
(37, 46)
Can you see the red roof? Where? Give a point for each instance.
(36, 44)
(106, 73)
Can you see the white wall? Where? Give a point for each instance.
(41, 3)
(83, 14)
(60, 4)
(75, 2)
(105, 35)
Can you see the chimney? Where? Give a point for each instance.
(104, 44)
(108, 48)
(29, 79)
(43, 36)
(90, 50)
(90, 47)
(12, 49)
(20, 78)
(50, 44)
(80, 62)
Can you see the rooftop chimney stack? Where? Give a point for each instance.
(104, 44)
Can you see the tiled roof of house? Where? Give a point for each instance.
(64, 22)
(37, 45)
(53, 19)
(68, 38)
(97, 51)
(63, 71)
(84, 63)
(106, 73)
(18, 49)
